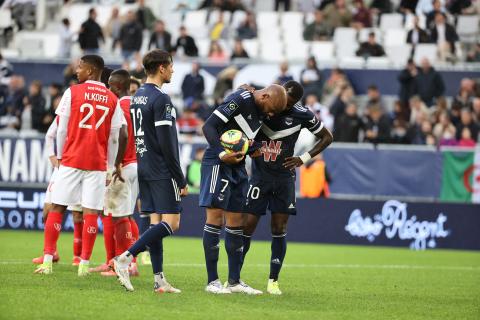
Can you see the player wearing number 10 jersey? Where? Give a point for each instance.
(89, 122)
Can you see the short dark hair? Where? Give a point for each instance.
(135, 80)
(105, 75)
(92, 10)
(94, 60)
(123, 75)
(294, 89)
(372, 87)
(154, 59)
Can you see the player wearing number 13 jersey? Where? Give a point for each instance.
(89, 122)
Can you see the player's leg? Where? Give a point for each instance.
(249, 226)
(93, 198)
(46, 208)
(279, 249)
(108, 241)
(77, 234)
(66, 192)
(214, 195)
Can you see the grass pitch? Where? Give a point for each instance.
(318, 281)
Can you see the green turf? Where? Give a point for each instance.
(318, 281)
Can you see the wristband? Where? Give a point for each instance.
(305, 157)
(221, 154)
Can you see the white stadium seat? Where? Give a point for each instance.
(351, 62)
(393, 37)
(272, 51)
(344, 35)
(467, 28)
(238, 18)
(291, 20)
(391, 21)
(378, 63)
(323, 50)
(203, 46)
(5, 19)
(399, 54)
(267, 21)
(424, 50)
(298, 50)
(251, 46)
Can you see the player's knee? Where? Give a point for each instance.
(175, 225)
(279, 227)
(77, 217)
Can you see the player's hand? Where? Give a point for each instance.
(233, 158)
(256, 153)
(292, 162)
(59, 162)
(53, 161)
(247, 87)
(184, 191)
(117, 173)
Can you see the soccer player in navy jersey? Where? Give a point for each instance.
(224, 180)
(272, 184)
(161, 180)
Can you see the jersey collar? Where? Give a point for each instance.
(96, 82)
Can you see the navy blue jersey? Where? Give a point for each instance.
(156, 141)
(239, 112)
(278, 136)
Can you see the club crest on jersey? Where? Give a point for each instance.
(288, 121)
(230, 107)
(313, 120)
(271, 150)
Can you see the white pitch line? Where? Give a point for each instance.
(314, 266)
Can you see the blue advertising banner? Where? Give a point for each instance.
(417, 226)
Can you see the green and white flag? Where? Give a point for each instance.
(461, 176)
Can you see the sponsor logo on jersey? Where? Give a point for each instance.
(168, 112)
(140, 146)
(271, 150)
(288, 121)
(313, 120)
(230, 108)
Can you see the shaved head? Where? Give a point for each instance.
(272, 99)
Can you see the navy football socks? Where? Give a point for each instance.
(246, 246)
(234, 248)
(279, 249)
(150, 237)
(211, 240)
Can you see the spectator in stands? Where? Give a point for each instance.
(429, 83)
(337, 14)
(418, 132)
(377, 126)
(193, 171)
(445, 36)
(216, 53)
(444, 131)
(322, 112)
(6, 72)
(417, 107)
(189, 123)
(399, 131)
(408, 6)
(145, 16)
(370, 48)
(233, 5)
(36, 102)
(318, 30)
(466, 139)
(54, 92)
(66, 39)
(9, 122)
(131, 36)
(335, 81)
(160, 38)
(476, 109)
(113, 27)
(311, 78)
(343, 97)
(134, 85)
(285, 4)
(239, 51)
(474, 54)
(193, 84)
(219, 29)
(361, 17)
(69, 75)
(417, 35)
(90, 34)
(466, 121)
(457, 7)
(374, 98)
(348, 125)
(248, 28)
(224, 83)
(408, 83)
(23, 12)
(186, 43)
(16, 93)
(437, 7)
(380, 6)
(284, 75)
(465, 95)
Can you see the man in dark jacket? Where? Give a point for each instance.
(131, 35)
(347, 125)
(429, 83)
(193, 84)
(370, 48)
(187, 43)
(408, 84)
(160, 38)
(90, 34)
(377, 126)
(417, 34)
(443, 33)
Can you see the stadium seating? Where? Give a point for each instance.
(398, 54)
(395, 37)
(425, 50)
(468, 28)
(323, 51)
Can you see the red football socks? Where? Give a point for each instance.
(53, 226)
(135, 231)
(77, 238)
(108, 238)
(89, 234)
(123, 235)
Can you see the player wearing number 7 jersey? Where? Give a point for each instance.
(89, 121)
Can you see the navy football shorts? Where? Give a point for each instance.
(223, 186)
(159, 196)
(277, 196)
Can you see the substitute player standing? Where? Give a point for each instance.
(224, 180)
(272, 184)
(89, 120)
(160, 177)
